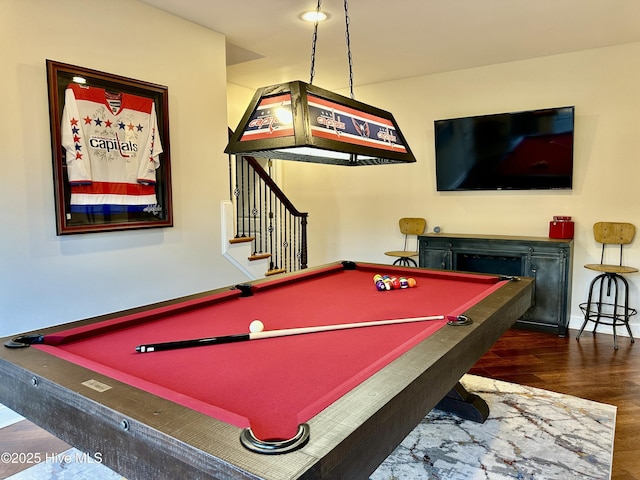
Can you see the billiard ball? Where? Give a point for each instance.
(404, 283)
(256, 326)
(411, 282)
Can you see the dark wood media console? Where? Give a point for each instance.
(547, 260)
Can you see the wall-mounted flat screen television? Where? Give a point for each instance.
(528, 150)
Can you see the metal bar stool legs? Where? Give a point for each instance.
(405, 262)
(604, 313)
(586, 307)
(628, 312)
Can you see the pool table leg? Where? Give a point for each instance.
(464, 404)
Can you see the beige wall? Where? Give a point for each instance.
(46, 279)
(353, 211)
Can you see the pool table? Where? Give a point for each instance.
(331, 404)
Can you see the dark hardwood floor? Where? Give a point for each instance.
(590, 369)
(26, 439)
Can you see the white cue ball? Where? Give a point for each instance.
(256, 326)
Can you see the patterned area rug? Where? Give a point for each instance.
(531, 434)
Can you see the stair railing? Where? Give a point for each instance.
(266, 217)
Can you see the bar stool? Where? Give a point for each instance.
(408, 226)
(599, 311)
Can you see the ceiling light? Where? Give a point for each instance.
(314, 16)
(299, 121)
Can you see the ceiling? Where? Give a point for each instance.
(267, 43)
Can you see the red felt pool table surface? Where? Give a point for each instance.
(183, 413)
(273, 385)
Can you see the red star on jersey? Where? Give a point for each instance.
(108, 124)
(78, 156)
(87, 120)
(74, 121)
(131, 126)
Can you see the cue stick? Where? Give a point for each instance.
(240, 337)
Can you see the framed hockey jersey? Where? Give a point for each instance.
(110, 142)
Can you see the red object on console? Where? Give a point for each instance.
(561, 227)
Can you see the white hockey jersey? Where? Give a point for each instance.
(112, 150)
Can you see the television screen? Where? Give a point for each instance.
(507, 151)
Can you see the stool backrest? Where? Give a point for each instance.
(614, 233)
(412, 226)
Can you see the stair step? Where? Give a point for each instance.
(259, 256)
(275, 271)
(242, 239)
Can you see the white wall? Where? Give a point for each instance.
(47, 279)
(354, 211)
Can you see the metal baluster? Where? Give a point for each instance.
(260, 213)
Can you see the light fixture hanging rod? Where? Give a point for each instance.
(348, 40)
(314, 41)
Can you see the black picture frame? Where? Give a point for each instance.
(69, 220)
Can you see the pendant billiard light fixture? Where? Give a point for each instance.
(299, 121)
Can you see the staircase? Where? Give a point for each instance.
(263, 233)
